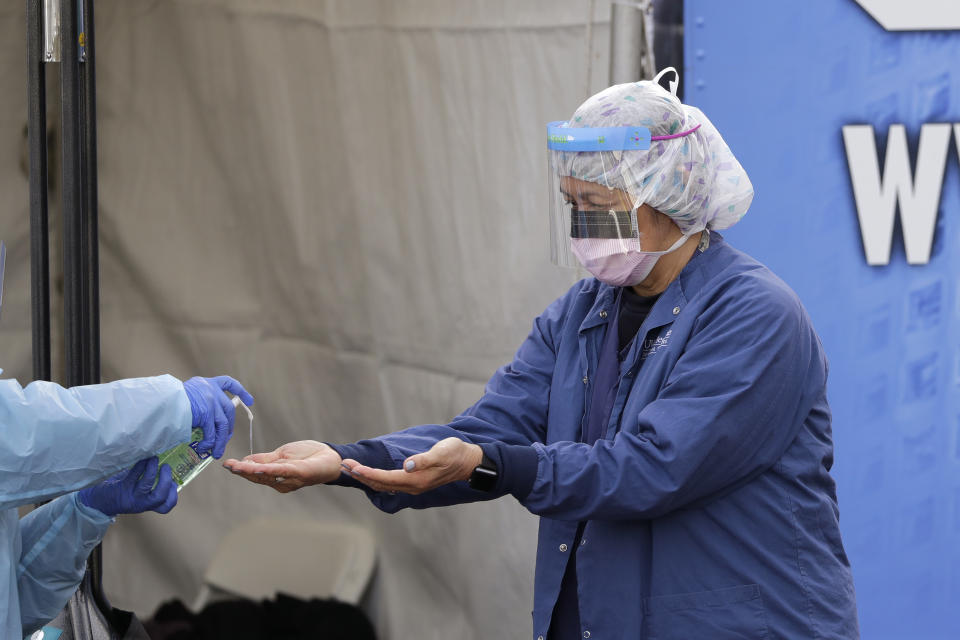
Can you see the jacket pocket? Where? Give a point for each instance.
(735, 613)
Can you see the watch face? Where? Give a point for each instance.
(483, 479)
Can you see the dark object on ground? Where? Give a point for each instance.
(286, 618)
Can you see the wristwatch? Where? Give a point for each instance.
(484, 476)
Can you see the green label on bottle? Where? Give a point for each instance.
(185, 461)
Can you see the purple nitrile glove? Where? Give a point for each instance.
(212, 410)
(132, 490)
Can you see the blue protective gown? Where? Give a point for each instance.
(54, 441)
(710, 511)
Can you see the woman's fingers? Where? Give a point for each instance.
(270, 456)
(443, 454)
(400, 480)
(271, 468)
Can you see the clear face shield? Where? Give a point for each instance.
(588, 214)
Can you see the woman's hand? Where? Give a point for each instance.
(449, 460)
(290, 467)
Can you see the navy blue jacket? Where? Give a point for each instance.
(710, 509)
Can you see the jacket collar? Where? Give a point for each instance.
(604, 306)
(671, 302)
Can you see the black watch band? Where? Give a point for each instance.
(484, 477)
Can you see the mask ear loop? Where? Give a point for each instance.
(673, 83)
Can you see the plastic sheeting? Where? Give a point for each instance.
(340, 203)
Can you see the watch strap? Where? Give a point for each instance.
(485, 475)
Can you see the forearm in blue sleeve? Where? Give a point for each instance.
(390, 450)
(370, 453)
(516, 468)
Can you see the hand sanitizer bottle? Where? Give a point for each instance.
(186, 461)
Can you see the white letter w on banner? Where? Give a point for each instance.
(877, 199)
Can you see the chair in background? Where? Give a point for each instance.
(302, 558)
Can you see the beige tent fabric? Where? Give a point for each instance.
(342, 204)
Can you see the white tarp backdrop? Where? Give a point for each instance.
(342, 204)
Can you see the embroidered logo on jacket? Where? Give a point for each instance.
(654, 345)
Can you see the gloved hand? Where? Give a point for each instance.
(132, 490)
(212, 410)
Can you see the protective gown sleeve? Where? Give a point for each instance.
(55, 440)
(56, 539)
(735, 400)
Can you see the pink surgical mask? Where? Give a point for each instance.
(613, 262)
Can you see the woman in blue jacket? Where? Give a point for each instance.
(667, 419)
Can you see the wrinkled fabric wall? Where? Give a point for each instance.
(342, 204)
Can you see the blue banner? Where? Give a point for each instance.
(843, 114)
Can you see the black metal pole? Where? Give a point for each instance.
(39, 231)
(91, 197)
(72, 228)
(82, 225)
